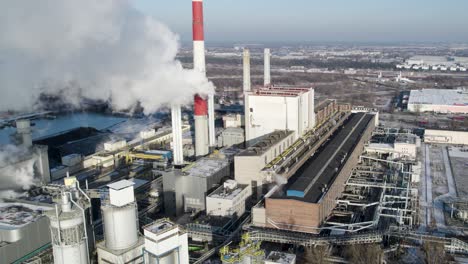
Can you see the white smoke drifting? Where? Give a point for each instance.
(97, 49)
(16, 170)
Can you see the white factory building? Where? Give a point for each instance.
(404, 147)
(249, 163)
(278, 108)
(228, 200)
(446, 137)
(165, 243)
(439, 101)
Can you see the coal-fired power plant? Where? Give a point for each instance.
(204, 125)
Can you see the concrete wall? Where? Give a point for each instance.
(292, 215)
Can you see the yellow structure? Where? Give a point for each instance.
(248, 252)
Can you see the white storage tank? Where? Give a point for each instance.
(120, 216)
(120, 226)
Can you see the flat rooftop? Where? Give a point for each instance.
(409, 139)
(439, 97)
(206, 167)
(266, 142)
(227, 194)
(16, 215)
(160, 226)
(281, 91)
(319, 172)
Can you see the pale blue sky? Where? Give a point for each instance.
(318, 20)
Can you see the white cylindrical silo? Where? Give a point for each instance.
(68, 237)
(120, 226)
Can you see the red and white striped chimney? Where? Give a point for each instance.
(202, 131)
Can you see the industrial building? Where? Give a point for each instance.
(324, 110)
(165, 243)
(122, 243)
(403, 146)
(309, 196)
(186, 189)
(228, 200)
(233, 120)
(232, 136)
(439, 101)
(24, 229)
(249, 163)
(437, 136)
(278, 108)
(71, 226)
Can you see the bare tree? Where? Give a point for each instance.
(317, 255)
(364, 254)
(434, 253)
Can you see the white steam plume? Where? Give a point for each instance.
(16, 170)
(98, 49)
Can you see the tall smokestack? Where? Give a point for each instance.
(176, 115)
(211, 121)
(267, 69)
(201, 126)
(247, 81)
(200, 107)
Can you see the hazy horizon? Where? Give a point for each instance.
(385, 21)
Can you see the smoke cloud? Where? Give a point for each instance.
(16, 170)
(103, 50)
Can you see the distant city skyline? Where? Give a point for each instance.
(318, 21)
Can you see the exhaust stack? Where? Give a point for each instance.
(204, 132)
(177, 135)
(201, 126)
(267, 68)
(247, 80)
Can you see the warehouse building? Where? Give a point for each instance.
(446, 137)
(310, 194)
(438, 101)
